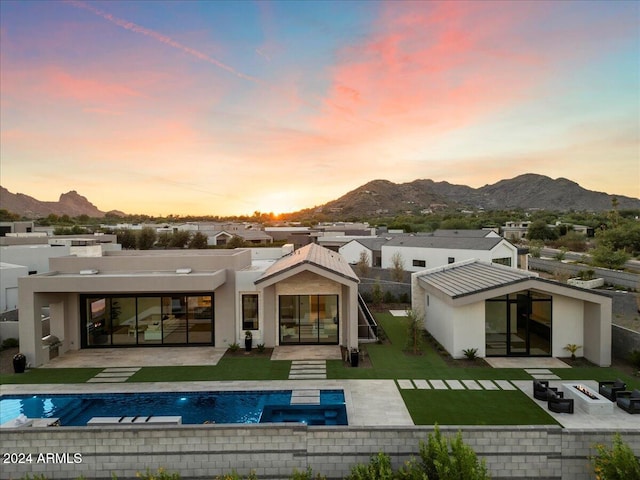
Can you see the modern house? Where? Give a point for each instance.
(191, 297)
(418, 252)
(502, 311)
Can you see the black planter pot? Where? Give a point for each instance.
(19, 363)
(247, 344)
(354, 359)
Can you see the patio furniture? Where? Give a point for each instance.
(558, 404)
(629, 401)
(610, 389)
(541, 390)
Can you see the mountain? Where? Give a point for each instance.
(528, 191)
(70, 203)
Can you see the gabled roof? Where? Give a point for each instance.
(372, 243)
(472, 276)
(452, 243)
(315, 255)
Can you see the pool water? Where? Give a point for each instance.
(193, 407)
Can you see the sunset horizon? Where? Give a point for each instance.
(226, 108)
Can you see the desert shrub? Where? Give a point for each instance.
(378, 468)
(389, 297)
(306, 475)
(10, 343)
(617, 462)
(234, 347)
(442, 459)
(160, 474)
(470, 353)
(260, 347)
(634, 358)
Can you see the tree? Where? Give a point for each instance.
(146, 238)
(199, 241)
(7, 216)
(362, 267)
(397, 268)
(415, 327)
(376, 293)
(127, 238)
(164, 239)
(235, 242)
(180, 239)
(605, 256)
(539, 230)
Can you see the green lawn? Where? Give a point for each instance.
(51, 375)
(476, 407)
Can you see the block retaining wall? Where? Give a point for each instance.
(274, 451)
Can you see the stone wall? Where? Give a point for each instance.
(274, 451)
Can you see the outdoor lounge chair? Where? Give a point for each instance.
(557, 403)
(629, 401)
(610, 389)
(541, 390)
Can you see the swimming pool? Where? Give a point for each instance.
(193, 407)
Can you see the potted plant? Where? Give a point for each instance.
(355, 356)
(248, 339)
(19, 363)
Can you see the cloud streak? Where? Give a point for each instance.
(133, 27)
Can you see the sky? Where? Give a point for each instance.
(231, 107)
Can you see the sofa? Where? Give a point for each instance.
(558, 404)
(629, 401)
(610, 389)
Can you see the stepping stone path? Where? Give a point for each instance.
(305, 397)
(456, 384)
(114, 375)
(542, 374)
(308, 370)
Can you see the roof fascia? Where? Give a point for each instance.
(302, 267)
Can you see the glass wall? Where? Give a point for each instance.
(518, 324)
(147, 320)
(308, 319)
(250, 312)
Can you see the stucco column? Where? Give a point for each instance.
(30, 325)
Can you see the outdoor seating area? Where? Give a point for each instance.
(629, 401)
(541, 390)
(610, 389)
(557, 403)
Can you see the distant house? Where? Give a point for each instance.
(371, 246)
(156, 298)
(503, 311)
(419, 252)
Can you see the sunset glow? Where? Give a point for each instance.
(224, 108)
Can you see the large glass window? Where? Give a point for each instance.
(518, 324)
(308, 319)
(250, 312)
(147, 320)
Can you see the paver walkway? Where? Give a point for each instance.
(455, 384)
(114, 375)
(308, 370)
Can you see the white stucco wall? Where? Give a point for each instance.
(468, 329)
(568, 325)
(351, 252)
(436, 257)
(437, 321)
(9, 274)
(34, 257)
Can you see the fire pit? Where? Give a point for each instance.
(587, 400)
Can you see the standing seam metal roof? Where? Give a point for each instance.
(465, 278)
(314, 255)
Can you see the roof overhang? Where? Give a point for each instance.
(320, 270)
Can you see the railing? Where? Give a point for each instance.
(368, 328)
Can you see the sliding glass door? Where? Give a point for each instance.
(308, 319)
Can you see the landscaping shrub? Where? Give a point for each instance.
(306, 475)
(617, 463)
(634, 358)
(470, 353)
(378, 468)
(10, 343)
(415, 328)
(442, 459)
(160, 474)
(389, 297)
(234, 347)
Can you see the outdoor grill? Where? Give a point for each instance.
(53, 343)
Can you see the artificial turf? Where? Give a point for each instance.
(474, 407)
